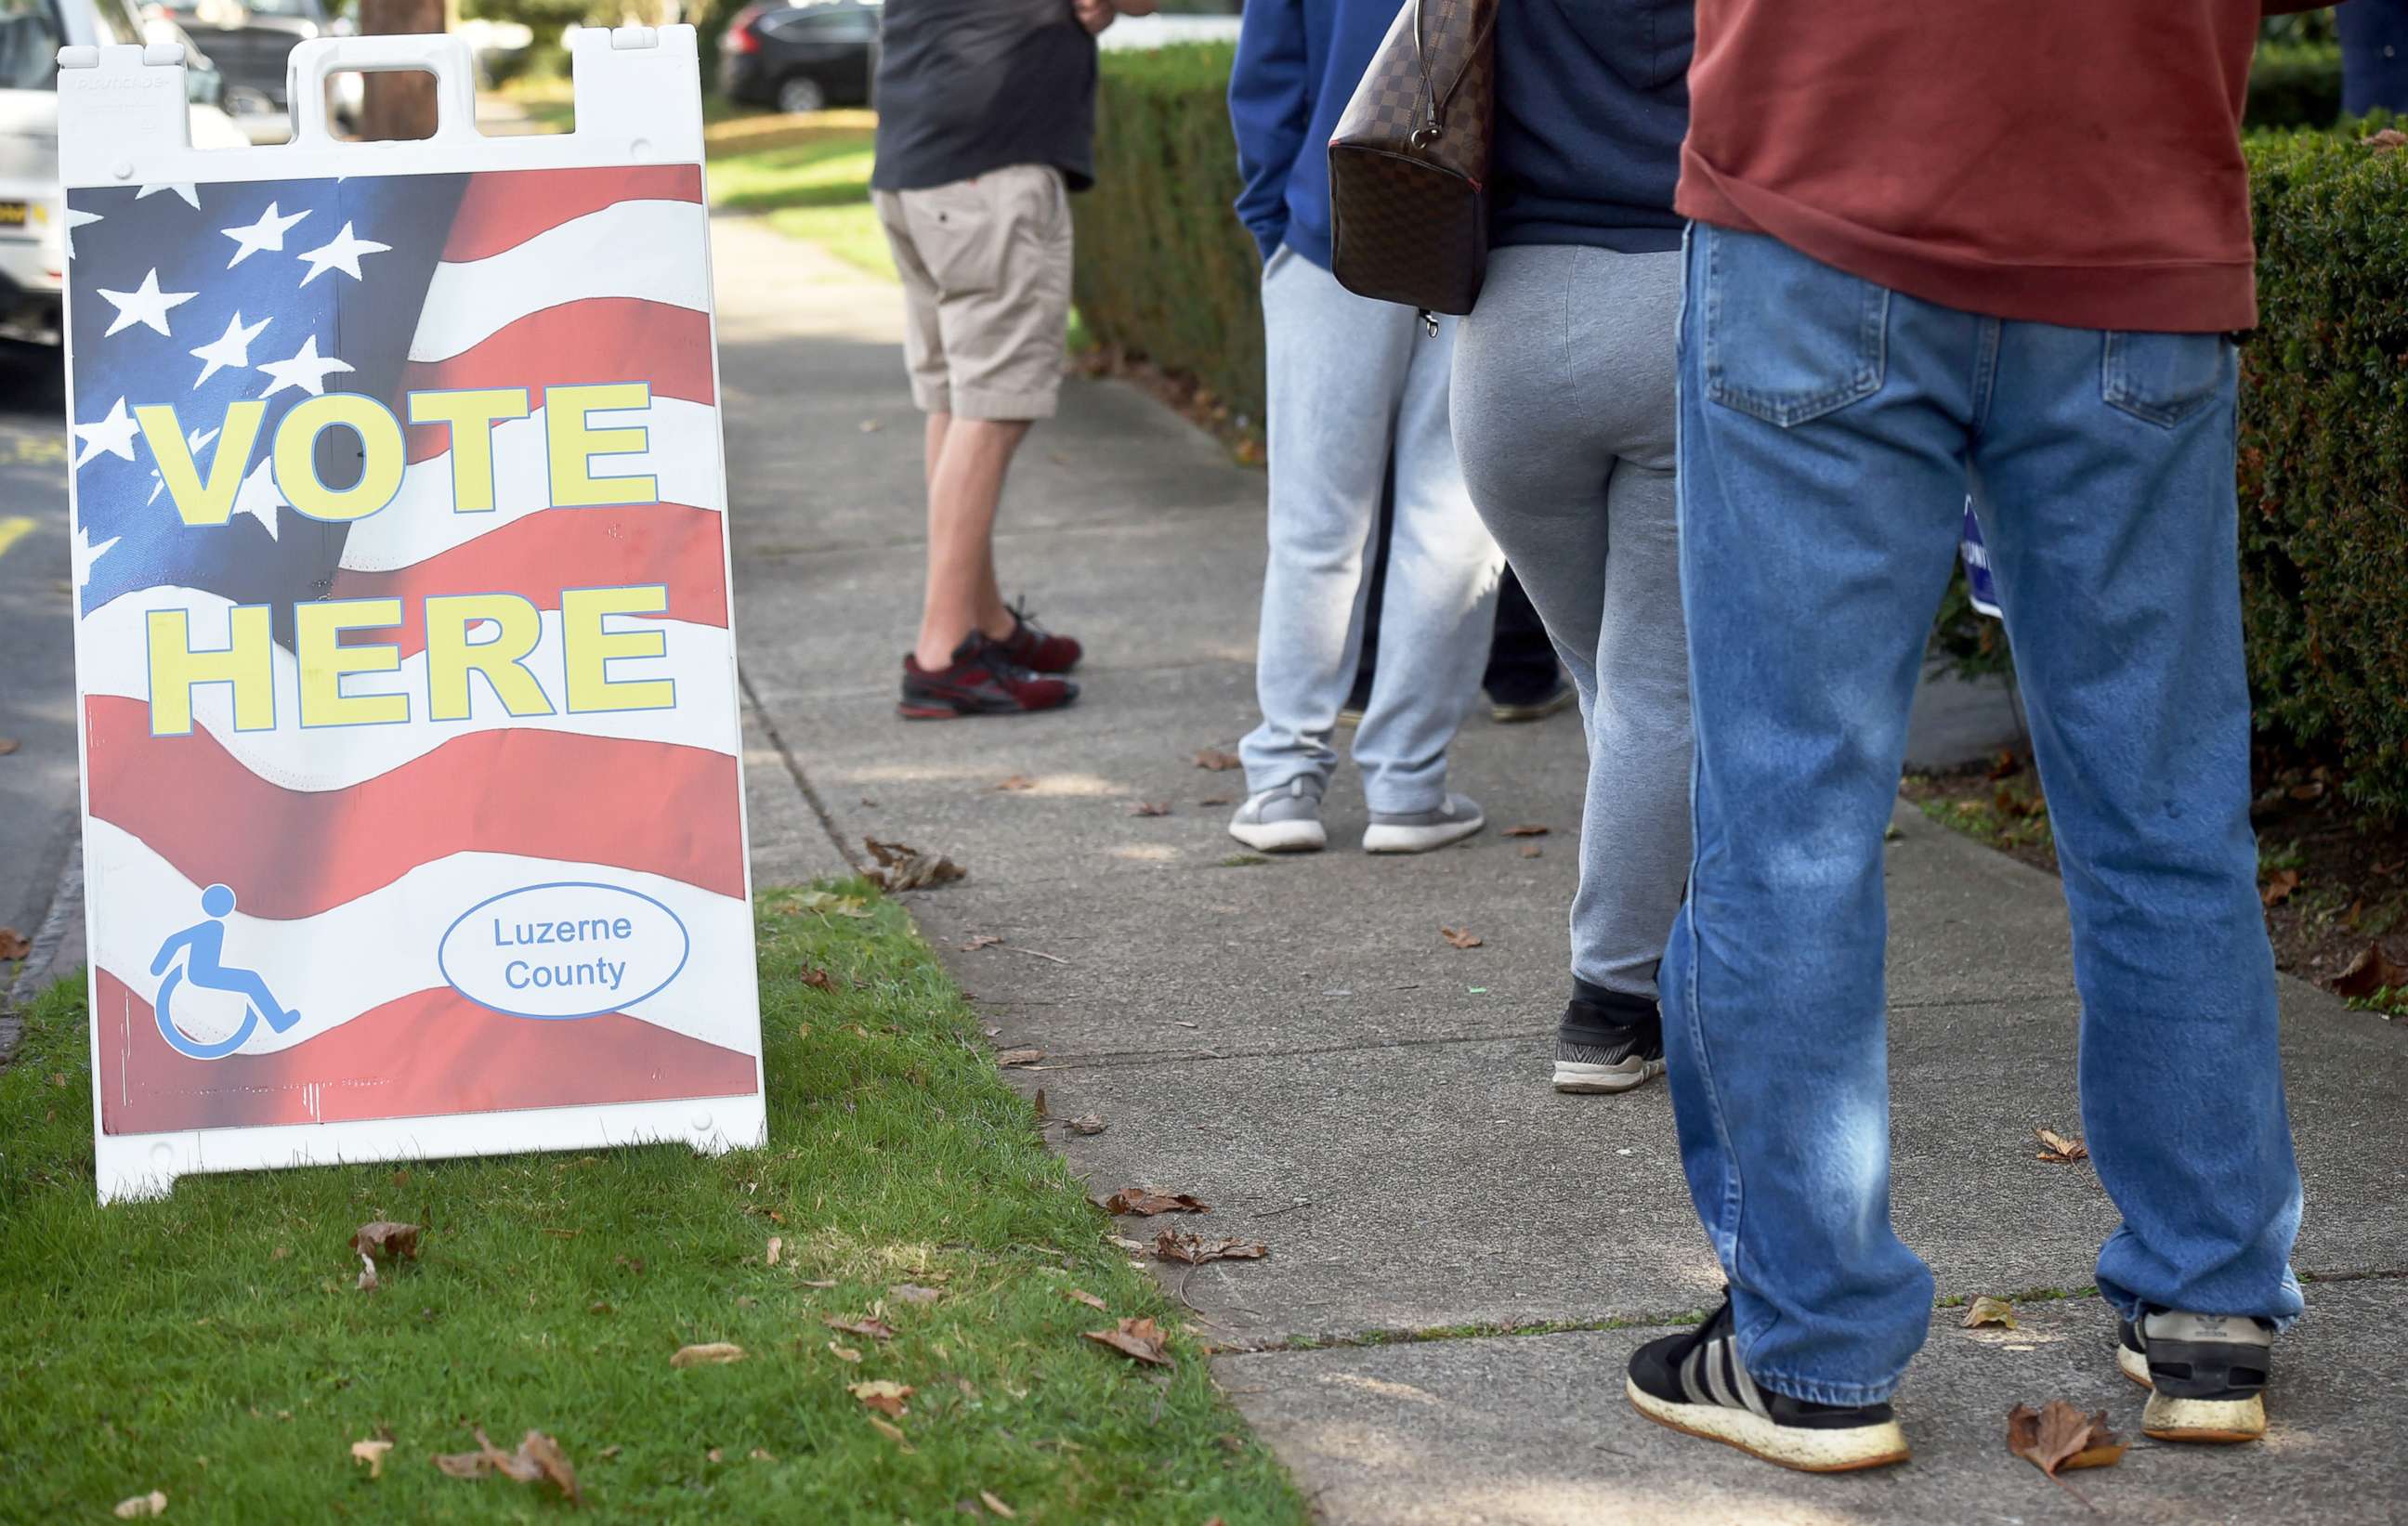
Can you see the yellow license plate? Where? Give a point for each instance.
(12, 214)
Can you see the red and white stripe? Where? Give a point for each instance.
(352, 850)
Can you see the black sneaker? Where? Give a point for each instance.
(1607, 1043)
(2206, 1374)
(982, 679)
(1694, 1383)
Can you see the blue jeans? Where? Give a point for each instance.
(1830, 431)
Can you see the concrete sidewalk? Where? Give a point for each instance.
(1294, 1042)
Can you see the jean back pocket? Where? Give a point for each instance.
(1785, 337)
(2164, 379)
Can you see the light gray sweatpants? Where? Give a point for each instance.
(1564, 414)
(1353, 386)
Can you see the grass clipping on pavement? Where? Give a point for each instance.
(215, 1346)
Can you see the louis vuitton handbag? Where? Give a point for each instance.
(1408, 163)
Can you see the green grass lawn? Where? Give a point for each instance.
(213, 1345)
(817, 190)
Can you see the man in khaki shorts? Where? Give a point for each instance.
(986, 125)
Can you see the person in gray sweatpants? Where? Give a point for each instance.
(1355, 390)
(1564, 413)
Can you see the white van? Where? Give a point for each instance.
(33, 237)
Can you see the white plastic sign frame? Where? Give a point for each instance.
(124, 122)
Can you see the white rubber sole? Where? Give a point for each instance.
(1281, 836)
(1377, 838)
(1575, 1077)
(1791, 1447)
(2210, 1421)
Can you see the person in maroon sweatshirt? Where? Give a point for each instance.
(1998, 247)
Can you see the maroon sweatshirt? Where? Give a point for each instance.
(2072, 161)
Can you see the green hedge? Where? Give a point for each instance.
(1165, 273)
(2295, 85)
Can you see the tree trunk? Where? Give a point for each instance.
(400, 103)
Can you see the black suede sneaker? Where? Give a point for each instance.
(1694, 1383)
(982, 679)
(1608, 1042)
(2206, 1373)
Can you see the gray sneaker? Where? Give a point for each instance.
(1285, 820)
(1421, 830)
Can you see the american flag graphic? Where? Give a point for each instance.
(351, 851)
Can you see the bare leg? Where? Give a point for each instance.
(969, 458)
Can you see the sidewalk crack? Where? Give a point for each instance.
(795, 770)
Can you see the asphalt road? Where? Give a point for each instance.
(38, 778)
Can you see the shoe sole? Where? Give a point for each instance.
(939, 710)
(2203, 1422)
(1392, 839)
(1790, 1446)
(1282, 836)
(1514, 715)
(1581, 1078)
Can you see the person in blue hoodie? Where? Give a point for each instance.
(1354, 389)
(1563, 411)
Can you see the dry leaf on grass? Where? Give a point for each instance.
(911, 1292)
(13, 944)
(986, 1497)
(383, 1240)
(2060, 1436)
(1139, 1339)
(817, 979)
(777, 1245)
(2278, 886)
(1526, 832)
(2060, 1151)
(371, 1453)
(143, 1505)
(891, 1430)
(881, 1395)
(539, 1459)
(903, 867)
(1018, 781)
(829, 904)
(844, 1353)
(1009, 1057)
(1170, 1245)
(1987, 1310)
(876, 1329)
(1148, 807)
(815, 1283)
(1086, 1123)
(1213, 758)
(1461, 937)
(706, 1354)
(1143, 1201)
(2371, 972)
(1080, 1295)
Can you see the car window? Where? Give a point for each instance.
(822, 23)
(29, 44)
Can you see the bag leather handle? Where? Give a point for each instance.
(1430, 130)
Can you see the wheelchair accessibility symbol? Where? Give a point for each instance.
(200, 944)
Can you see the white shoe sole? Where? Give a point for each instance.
(1281, 836)
(2166, 1418)
(1576, 1077)
(1791, 1447)
(1394, 839)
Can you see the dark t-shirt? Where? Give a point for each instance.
(970, 86)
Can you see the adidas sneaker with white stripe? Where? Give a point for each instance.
(1694, 1383)
(2206, 1373)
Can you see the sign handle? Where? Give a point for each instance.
(443, 56)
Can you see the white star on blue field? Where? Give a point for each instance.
(201, 296)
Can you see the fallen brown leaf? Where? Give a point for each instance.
(1461, 937)
(830, 1283)
(844, 1353)
(1018, 781)
(372, 1452)
(2371, 972)
(1215, 800)
(2060, 1436)
(1142, 1202)
(13, 944)
(386, 1240)
(1009, 1057)
(8, 745)
(1041, 1113)
(1531, 850)
(777, 1244)
(891, 1430)
(1148, 807)
(1195, 1250)
(986, 1497)
(908, 868)
(2060, 1151)
(1526, 832)
(817, 979)
(1218, 760)
(1082, 1296)
(2278, 886)
(1086, 1123)
(706, 1354)
(882, 1395)
(1141, 1339)
(979, 941)
(1987, 1310)
(141, 1505)
(537, 1459)
(547, 1455)
(876, 1329)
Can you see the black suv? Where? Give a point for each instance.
(802, 57)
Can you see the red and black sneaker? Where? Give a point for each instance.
(1036, 649)
(982, 679)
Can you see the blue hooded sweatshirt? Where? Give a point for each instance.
(1592, 104)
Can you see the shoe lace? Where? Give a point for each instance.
(1025, 616)
(996, 659)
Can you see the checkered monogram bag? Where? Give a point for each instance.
(1409, 164)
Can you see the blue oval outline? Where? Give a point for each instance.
(443, 944)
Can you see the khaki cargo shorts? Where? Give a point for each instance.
(986, 287)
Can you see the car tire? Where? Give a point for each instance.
(798, 94)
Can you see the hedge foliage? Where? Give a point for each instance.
(2295, 85)
(1165, 273)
